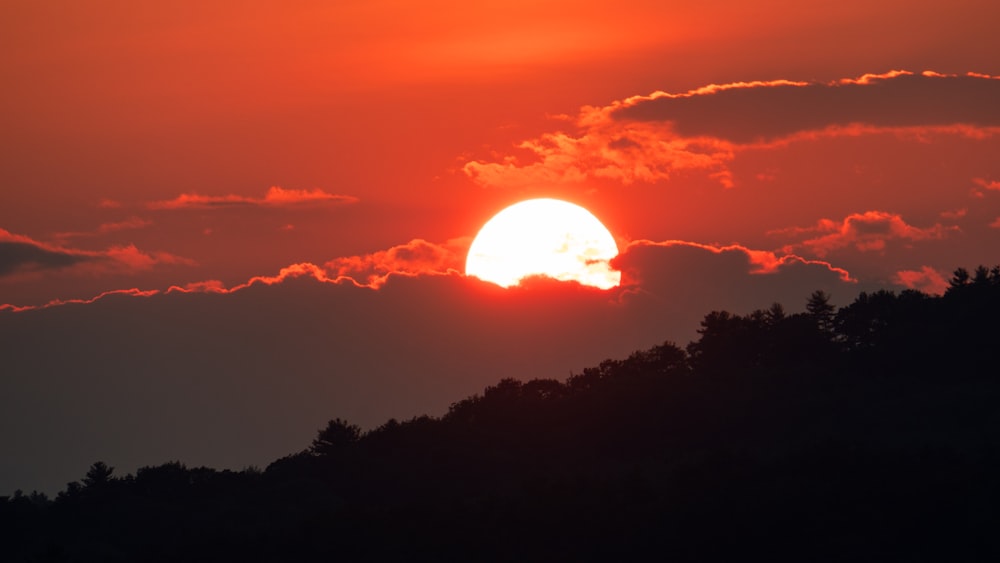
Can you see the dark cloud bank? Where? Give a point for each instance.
(16, 255)
(764, 113)
(230, 380)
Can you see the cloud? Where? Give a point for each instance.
(293, 271)
(866, 232)
(134, 292)
(134, 259)
(233, 376)
(987, 184)
(303, 269)
(653, 137)
(423, 258)
(275, 197)
(413, 258)
(639, 153)
(749, 112)
(22, 255)
(757, 261)
(926, 279)
(954, 214)
(130, 223)
(417, 257)
(105, 228)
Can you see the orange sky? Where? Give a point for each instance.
(741, 153)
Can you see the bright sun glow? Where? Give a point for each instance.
(544, 237)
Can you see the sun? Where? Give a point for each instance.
(546, 237)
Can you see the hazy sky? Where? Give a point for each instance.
(224, 223)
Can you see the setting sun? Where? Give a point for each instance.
(545, 237)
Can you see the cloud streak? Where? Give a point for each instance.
(106, 228)
(274, 197)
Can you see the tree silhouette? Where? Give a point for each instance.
(821, 310)
(776, 313)
(335, 438)
(98, 475)
(981, 276)
(960, 278)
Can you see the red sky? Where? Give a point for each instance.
(278, 197)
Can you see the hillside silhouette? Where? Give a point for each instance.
(865, 433)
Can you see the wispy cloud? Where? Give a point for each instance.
(954, 214)
(275, 197)
(106, 228)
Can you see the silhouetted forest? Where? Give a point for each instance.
(865, 433)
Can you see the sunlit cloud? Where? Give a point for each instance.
(420, 258)
(926, 279)
(866, 232)
(302, 269)
(413, 258)
(987, 184)
(137, 260)
(652, 137)
(275, 197)
(133, 292)
(637, 153)
(293, 271)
